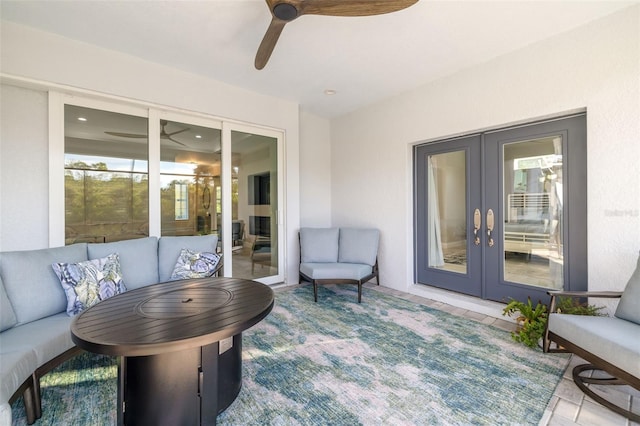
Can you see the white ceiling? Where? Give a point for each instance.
(364, 59)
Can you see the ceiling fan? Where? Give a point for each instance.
(163, 133)
(284, 11)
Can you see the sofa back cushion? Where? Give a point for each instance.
(33, 288)
(359, 245)
(319, 245)
(629, 305)
(7, 315)
(169, 249)
(138, 259)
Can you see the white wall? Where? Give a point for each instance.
(315, 171)
(24, 161)
(596, 67)
(33, 54)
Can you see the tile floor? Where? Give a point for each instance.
(569, 405)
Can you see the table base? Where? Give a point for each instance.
(189, 387)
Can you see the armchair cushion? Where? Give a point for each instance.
(329, 271)
(319, 245)
(358, 245)
(609, 338)
(629, 305)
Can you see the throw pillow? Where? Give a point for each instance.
(193, 264)
(87, 283)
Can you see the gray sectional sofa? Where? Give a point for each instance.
(34, 326)
(339, 256)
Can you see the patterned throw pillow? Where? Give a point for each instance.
(193, 264)
(87, 283)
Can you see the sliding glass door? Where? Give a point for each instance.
(146, 172)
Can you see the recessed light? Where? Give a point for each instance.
(330, 92)
(82, 119)
(198, 137)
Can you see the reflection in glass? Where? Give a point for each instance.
(189, 179)
(254, 205)
(447, 223)
(533, 212)
(106, 176)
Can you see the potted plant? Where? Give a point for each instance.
(532, 320)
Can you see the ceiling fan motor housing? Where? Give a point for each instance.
(285, 11)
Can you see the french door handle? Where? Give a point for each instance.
(477, 224)
(490, 225)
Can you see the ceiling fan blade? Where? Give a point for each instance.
(126, 135)
(353, 7)
(173, 140)
(175, 133)
(269, 42)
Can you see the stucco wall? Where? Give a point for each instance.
(595, 67)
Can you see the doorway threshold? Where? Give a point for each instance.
(459, 300)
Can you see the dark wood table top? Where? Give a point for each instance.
(172, 316)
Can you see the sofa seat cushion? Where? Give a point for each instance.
(31, 284)
(138, 259)
(46, 338)
(16, 366)
(610, 338)
(318, 245)
(169, 249)
(327, 271)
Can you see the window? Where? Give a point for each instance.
(182, 201)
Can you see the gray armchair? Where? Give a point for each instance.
(339, 256)
(610, 344)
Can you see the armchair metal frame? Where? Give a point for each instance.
(618, 377)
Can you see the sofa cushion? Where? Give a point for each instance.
(318, 245)
(138, 259)
(194, 264)
(629, 305)
(169, 250)
(328, 271)
(358, 245)
(87, 283)
(45, 338)
(16, 366)
(609, 338)
(31, 284)
(7, 315)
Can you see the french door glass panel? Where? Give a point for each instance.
(447, 211)
(532, 233)
(190, 165)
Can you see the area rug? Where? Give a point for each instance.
(337, 362)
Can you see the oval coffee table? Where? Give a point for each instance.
(179, 343)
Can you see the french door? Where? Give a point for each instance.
(502, 214)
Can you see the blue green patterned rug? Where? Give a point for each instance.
(337, 362)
